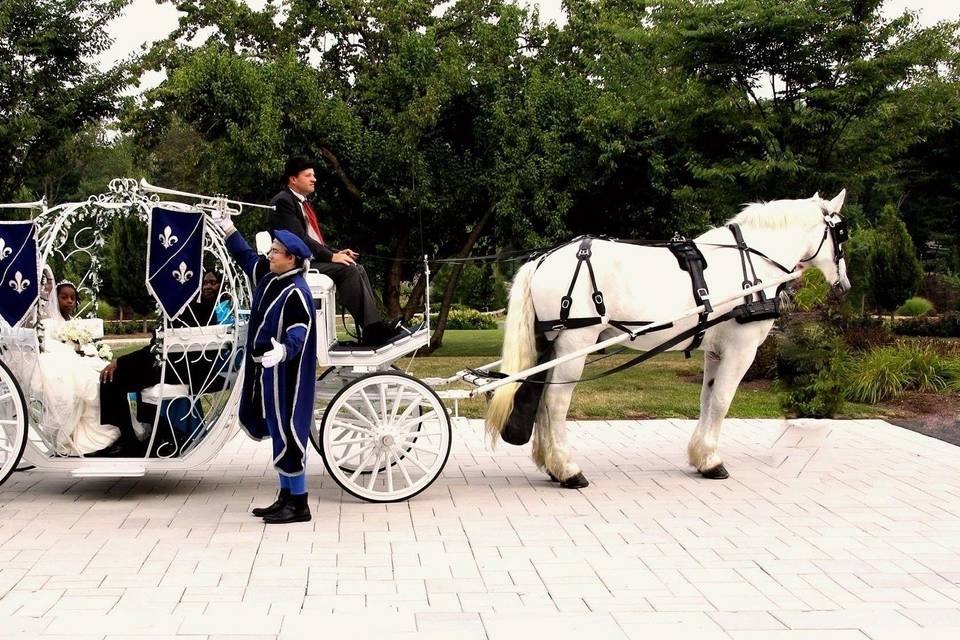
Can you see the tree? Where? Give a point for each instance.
(895, 271)
(49, 89)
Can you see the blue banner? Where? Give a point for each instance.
(19, 270)
(174, 258)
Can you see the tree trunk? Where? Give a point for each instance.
(436, 340)
(416, 298)
(394, 276)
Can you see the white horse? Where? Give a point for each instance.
(646, 283)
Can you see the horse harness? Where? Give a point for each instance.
(689, 259)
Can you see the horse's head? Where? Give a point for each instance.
(828, 256)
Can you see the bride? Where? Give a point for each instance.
(70, 380)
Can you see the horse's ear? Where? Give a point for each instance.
(816, 196)
(837, 202)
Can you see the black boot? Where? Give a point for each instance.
(282, 498)
(296, 509)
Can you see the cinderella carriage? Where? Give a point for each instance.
(384, 436)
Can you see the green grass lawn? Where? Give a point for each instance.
(667, 386)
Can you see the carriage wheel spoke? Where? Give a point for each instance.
(373, 475)
(412, 423)
(366, 401)
(356, 454)
(417, 447)
(389, 471)
(351, 427)
(349, 407)
(397, 400)
(347, 443)
(383, 402)
(403, 468)
(417, 463)
(363, 463)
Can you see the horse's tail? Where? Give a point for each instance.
(519, 348)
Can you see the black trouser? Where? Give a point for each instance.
(138, 370)
(135, 371)
(354, 288)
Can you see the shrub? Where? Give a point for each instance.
(941, 290)
(895, 271)
(810, 365)
(465, 318)
(813, 290)
(864, 332)
(888, 372)
(945, 326)
(915, 306)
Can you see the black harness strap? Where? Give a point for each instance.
(692, 261)
(736, 312)
(584, 253)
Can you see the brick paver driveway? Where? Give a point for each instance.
(826, 529)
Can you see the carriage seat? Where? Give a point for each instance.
(323, 290)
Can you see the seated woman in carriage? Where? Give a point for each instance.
(68, 377)
(141, 369)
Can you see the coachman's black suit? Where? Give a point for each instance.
(351, 280)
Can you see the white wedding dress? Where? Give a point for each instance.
(69, 385)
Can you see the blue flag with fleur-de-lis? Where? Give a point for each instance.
(174, 258)
(19, 270)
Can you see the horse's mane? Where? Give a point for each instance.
(779, 214)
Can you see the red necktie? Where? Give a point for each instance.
(312, 220)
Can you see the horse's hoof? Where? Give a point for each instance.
(718, 472)
(575, 482)
(553, 478)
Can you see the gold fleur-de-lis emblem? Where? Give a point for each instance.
(19, 283)
(167, 239)
(5, 251)
(182, 274)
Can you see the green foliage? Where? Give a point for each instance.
(51, 91)
(942, 290)
(813, 291)
(888, 372)
(810, 370)
(461, 318)
(915, 306)
(480, 287)
(895, 271)
(127, 259)
(945, 326)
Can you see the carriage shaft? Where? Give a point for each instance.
(579, 353)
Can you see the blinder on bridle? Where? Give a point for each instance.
(839, 232)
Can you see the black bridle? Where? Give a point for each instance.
(835, 227)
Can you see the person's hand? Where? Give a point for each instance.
(342, 258)
(273, 357)
(223, 221)
(350, 252)
(106, 374)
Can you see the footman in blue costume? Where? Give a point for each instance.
(281, 364)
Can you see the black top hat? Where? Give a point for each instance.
(295, 165)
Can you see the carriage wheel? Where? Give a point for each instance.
(385, 437)
(13, 423)
(352, 464)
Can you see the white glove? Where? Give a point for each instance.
(273, 357)
(223, 221)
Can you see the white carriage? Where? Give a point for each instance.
(384, 436)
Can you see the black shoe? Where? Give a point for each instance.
(278, 504)
(296, 509)
(374, 334)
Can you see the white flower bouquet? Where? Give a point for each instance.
(75, 332)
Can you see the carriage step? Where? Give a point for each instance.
(110, 471)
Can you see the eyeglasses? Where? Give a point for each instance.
(279, 252)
